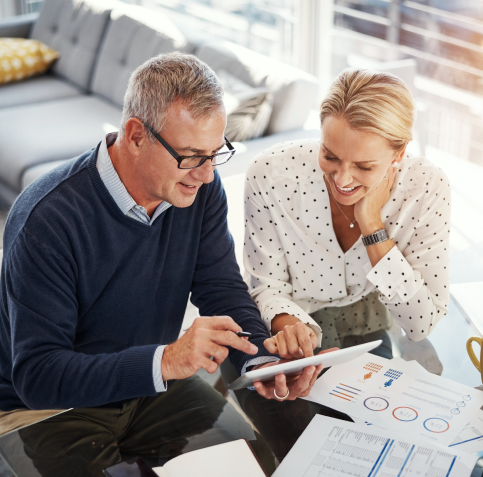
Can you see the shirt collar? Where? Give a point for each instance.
(115, 186)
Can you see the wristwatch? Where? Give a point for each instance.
(376, 237)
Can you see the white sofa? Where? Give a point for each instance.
(51, 118)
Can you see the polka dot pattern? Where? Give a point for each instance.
(294, 260)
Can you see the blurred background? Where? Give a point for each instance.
(436, 45)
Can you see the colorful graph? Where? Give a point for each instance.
(373, 367)
(376, 404)
(436, 424)
(393, 374)
(405, 414)
(348, 393)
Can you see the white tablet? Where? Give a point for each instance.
(293, 367)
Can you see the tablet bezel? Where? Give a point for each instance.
(293, 367)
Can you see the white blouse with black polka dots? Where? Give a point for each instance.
(295, 263)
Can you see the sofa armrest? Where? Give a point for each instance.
(17, 27)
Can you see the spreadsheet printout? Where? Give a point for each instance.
(333, 448)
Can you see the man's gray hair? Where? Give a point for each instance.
(160, 81)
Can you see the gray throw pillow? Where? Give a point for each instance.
(248, 109)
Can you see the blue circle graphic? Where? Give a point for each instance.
(376, 402)
(431, 420)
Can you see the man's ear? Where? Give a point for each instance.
(135, 136)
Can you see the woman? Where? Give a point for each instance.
(345, 234)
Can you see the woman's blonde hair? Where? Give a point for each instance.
(372, 101)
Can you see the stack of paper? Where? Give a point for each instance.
(333, 448)
(401, 396)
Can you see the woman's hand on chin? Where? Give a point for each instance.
(291, 338)
(367, 211)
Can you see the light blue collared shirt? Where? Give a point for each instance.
(128, 206)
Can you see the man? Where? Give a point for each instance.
(100, 257)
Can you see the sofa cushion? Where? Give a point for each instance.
(21, 58)
(74, 28)
(34, 172)
(35, 90)
(134, 35)
(72, 126)
(295, 91)
(248, 109)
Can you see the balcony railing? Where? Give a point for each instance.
(446, 40)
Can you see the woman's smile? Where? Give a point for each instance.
(347, 191)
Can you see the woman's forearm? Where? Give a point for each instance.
(378, 251)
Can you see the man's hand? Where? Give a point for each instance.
(206, 337)
(291, 338)
(295, 386)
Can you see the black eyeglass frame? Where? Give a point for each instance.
(203, 159)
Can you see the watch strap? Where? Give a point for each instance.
(377, 237)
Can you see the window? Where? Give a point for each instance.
(265, 26)
(445, 38)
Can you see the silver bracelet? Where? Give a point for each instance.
(377, 237)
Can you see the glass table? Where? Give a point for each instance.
(26, 451)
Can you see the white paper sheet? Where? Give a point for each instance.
(399, 396)
(231, 459)
(470, 439)
(334, 448)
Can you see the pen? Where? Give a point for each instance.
(243, 334)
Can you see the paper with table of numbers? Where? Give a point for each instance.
(333, 448)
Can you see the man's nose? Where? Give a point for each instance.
(204, 173)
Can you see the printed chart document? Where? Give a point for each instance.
(470, 439)
(399, 396)
(333, 448)
(231, 459)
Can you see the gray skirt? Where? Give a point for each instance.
(360, 322)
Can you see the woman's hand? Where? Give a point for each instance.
(367, 211)
(291, 338)
(289, 387)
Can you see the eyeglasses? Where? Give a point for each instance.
(190, 162)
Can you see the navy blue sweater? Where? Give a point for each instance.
(87, 293)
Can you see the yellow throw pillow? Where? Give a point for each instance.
(21, 58)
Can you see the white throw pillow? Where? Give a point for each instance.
(248, 109)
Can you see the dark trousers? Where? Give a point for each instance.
(189, 416)
(282, 423)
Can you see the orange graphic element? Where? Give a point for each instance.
(373, 367)
(345, 399)
(367, 376)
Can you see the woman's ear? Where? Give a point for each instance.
(399, 156)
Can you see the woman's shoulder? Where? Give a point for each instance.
(284, 159)
(420, 173)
